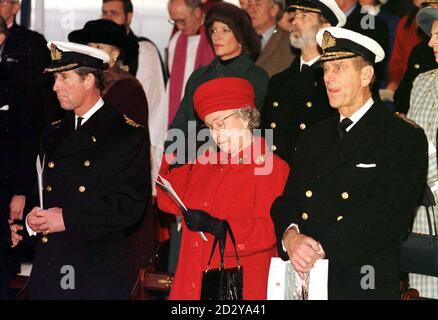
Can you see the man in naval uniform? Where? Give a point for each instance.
(354, 184)
(297, 98)
(95, 184)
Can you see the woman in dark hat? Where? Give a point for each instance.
(236, 45)
(226, 185)
(120, 88)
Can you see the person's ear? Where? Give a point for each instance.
(274, 11)
(366, 75)
(197, 12)
(129, 18)
(90, 81)
(115, 53)
(16, 8)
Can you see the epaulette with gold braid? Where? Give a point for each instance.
(132, 122)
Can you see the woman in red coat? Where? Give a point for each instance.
(236, 182)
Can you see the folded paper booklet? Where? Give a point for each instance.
(40, 169)
(166, 186)
(284, 283)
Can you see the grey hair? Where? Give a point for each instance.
(281, 6)
(97, 73)
(250, 114)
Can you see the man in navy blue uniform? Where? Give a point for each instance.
(96, 182)
(354, 184)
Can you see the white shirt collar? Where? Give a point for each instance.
(309, 63)
(99, 104)
(265, 36)
(355, 117)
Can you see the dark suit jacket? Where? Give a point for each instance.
(294, 99)
(99, 176)
(357, 197)
(17, 150)
(277, 55)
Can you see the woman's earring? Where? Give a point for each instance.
(240, 45)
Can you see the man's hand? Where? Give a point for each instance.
(15, 237)
(16, 207)
(46, 221)
(303, 251)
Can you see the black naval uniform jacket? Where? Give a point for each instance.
(421, 59)
(357, 197)
(99, 176)
(295, 102)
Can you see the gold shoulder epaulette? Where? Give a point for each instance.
(125, 68)
(132, 122)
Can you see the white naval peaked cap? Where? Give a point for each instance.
(327, 8)
(69, 55)
(339, 43)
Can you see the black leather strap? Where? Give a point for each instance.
(222, 243)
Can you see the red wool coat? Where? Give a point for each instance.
(235, 193)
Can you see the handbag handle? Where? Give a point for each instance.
(222, 248)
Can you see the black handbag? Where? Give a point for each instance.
(419, 252)
(222, 283)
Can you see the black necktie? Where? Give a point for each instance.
(304, 67)
(78, 125)
(342, 127)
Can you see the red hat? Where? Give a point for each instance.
(223, 94)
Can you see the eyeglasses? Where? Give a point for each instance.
(5, 2)
(217, 124)
(181, 22)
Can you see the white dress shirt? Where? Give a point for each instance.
(355, 117)
(309, 63)
(266, 36)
